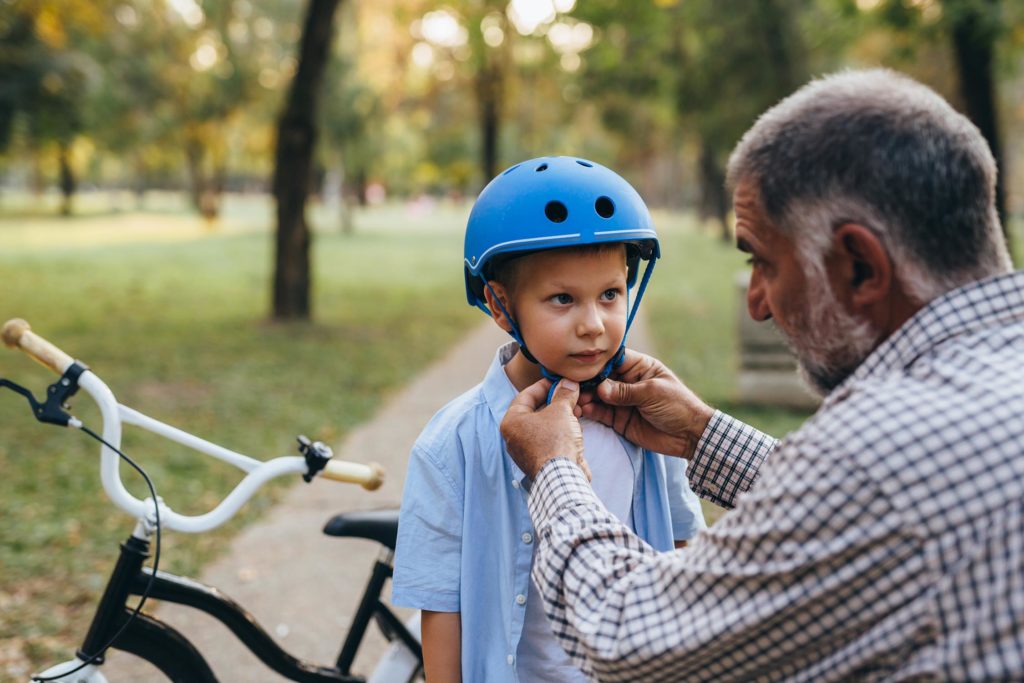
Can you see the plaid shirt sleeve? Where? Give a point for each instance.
(769, 589)
(727, 459)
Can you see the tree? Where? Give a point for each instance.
(491, 64)
(966, 35)
(46, 79)
(350, 123)
(293, 170)
(974, 28)
(713, 65)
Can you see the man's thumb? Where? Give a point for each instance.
(616, 393)
(566, 390)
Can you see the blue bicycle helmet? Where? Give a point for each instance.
(554, 202)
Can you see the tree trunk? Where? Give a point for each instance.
(67, 178)
(489, 87)
(714, 204)
(347, 201)
(296, 139)
(974, 32)
(488, 94)
(205, 192)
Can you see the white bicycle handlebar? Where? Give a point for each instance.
(17, 334)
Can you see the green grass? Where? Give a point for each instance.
(173, 315)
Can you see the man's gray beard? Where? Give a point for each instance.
(828, 343)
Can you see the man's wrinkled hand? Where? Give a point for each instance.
(535, 434)
(650, 406)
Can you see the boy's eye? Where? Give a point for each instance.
(610, 294)
(562, 299)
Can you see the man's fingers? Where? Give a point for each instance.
(567, 392)
(531, 398)
(616, 393)
(598, 412)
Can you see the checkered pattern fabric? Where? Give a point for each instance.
(884, 540)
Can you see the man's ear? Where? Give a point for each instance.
(862, 272)
(499, 317)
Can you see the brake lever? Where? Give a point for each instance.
(52, 410)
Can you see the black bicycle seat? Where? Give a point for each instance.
(375, 525)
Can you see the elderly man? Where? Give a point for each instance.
(884, 540)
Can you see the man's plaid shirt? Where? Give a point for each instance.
(884, 540)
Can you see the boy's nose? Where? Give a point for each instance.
(590, 323)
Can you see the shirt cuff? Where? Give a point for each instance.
(727, 459)
(560, 483)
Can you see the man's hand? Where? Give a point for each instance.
(535, 434)
(649, 406)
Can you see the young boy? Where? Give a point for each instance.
(553, 246)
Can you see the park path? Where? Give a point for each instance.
(300, 585)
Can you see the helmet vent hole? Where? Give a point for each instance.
(511, 169)
(584, 163)
(556, 211)
(605, 207)
(542, 167)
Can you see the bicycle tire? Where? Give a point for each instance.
(166, 649)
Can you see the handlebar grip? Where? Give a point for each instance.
(370, 476)
(18, 334)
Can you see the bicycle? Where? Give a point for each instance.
(115, 624)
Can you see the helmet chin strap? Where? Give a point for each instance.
(616, 360)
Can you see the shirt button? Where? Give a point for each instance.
(515, 485)
(520, 600)
(510, 659)
(527, 537)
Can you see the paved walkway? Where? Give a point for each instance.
(300, 585)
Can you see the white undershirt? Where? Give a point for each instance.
(540, 658)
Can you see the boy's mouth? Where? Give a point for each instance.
(589, 356)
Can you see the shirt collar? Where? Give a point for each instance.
(979, 305)
(497, 388)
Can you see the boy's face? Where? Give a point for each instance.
(571, 308)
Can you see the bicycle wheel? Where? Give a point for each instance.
(164, 647)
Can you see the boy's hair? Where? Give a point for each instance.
(505, 269)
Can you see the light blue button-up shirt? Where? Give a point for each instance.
(465, 539)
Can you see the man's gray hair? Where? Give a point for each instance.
(884, 151)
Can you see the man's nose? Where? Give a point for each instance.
(757, 301)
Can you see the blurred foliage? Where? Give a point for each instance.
(429, 97)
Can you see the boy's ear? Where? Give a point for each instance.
(499, 318)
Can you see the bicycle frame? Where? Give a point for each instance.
(130, 577)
